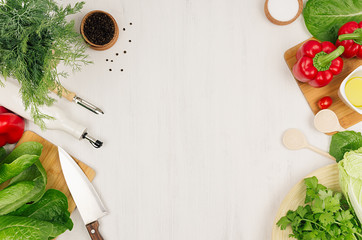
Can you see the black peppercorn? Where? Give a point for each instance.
(99, 28)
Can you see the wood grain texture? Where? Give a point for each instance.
(193, 124)
(50, 161)
(347, 117)
(93, 230)
(327, 176)
(66, 94)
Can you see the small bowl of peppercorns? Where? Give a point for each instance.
(99, 29)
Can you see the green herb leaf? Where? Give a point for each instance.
(302, 211)
(326, 218)
(313, 188)
(311, 182)
(34, 38)
(323, 217)
(283, 222)
(308, 227)
(332, 204)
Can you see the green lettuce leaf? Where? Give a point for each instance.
(53, 208)
(350, 179)
(2, 153)
(323, 18)
(31, 148)
(35, 173)
(24, 228)
(17, 166)
(27, 211)
(12, 194)
(343, 142)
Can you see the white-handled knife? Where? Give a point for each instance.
(85, 196)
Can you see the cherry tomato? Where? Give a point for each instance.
(325, 102)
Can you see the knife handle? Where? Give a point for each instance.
(93, 231)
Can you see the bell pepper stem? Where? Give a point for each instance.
(326, 60)
(356, 36)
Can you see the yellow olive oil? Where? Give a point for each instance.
(353, 90)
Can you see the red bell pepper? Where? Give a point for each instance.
(3, 110)
(350, 37)
(11, 127)
(317, 63)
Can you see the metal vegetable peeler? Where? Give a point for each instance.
(72, 97)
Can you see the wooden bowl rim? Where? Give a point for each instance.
(107, 45)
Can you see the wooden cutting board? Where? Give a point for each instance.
(347, 117)
(50, 161)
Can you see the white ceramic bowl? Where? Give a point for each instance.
(342, 94)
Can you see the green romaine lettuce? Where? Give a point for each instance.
(53, 208)
(323, 18)
(14, 168)
(12, 194)
(35, 173)
(26, 210)
(2, 153)
(24, 228)
(31, 148)
(343, 142)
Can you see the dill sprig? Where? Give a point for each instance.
(34, 38)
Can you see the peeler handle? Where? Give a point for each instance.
(72, 97)
(66, 94)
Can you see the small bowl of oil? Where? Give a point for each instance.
(350, 90)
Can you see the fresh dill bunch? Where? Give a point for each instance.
(34, 38)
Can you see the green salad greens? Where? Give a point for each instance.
(325, 215)
(27, 210)
(350, 179)
(343, 142)
(323, 18)
(34, 38)
(328, 214)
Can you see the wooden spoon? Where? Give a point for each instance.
(326, 121)
(294, 139)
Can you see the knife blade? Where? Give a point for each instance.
(85, 196)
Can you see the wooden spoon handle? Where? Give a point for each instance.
(317, 150)
(277, 22)
(93, 231)
(66, 94)
(341, 129)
